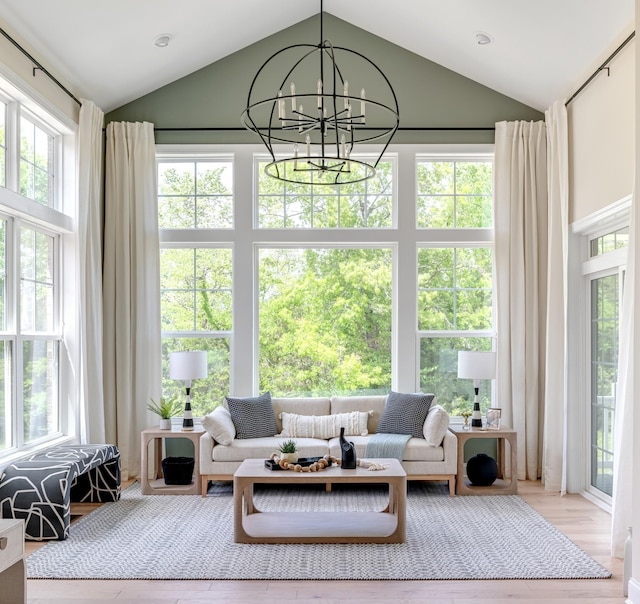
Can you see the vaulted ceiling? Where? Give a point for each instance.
(104, 50)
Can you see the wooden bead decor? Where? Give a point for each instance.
(316, 466)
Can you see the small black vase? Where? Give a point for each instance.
(348, 452)
(482, 470)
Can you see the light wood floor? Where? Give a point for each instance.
(584, 523)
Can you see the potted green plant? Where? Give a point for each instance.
(165, 408)
(288, 451)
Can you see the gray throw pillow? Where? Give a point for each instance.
(405, 414)
(253, 417)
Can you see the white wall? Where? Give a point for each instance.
(602, 137)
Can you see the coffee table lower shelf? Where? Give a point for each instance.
(254, 526)
(320, 527)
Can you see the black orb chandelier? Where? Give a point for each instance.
(316, 117)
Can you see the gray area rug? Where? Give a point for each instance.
(190, 537)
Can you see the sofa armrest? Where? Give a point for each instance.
(450, 445)
(206, 447)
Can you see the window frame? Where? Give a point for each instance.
(57, 221)
(246, 238)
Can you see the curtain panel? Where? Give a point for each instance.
(628, 369)
(556, 395)
(90, 162)
(520, 223)
(131, 282)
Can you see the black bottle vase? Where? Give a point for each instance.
(348, 452)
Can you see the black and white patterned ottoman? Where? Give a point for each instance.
(40, 488)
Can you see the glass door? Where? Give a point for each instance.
(604, 319)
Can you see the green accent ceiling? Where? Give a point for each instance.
(429, 95)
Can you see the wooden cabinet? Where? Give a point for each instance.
(13, 578)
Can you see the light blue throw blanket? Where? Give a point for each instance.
(386, 445)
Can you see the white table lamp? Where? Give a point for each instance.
(188, 366)
(476, 366)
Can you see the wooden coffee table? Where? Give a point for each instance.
(252, 526)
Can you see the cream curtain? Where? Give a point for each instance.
(131, 282)
(628, 368)
(90, 151)
(521, 239)
(554, 453)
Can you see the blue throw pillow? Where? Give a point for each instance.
(405, 414)
(253, 417)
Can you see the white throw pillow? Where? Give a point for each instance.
(220, 425)
(324, 426)
(435, 425)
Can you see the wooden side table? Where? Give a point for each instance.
(154, 484)
(13, 576)
(501, 486)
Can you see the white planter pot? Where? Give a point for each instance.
(290, 457)
(165, 424)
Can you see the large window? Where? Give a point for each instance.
(196, 195)
(321, 290)
(455, 289)
(33, 232)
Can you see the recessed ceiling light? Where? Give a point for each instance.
(482, 38)
(162, 40)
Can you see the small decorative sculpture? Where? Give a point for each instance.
(348, 449)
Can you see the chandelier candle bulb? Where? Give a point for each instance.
(280, 106)
(346, 94)
(319, 94)
(295, 156)
(293, 96)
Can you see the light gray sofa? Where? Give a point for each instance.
(434, 458)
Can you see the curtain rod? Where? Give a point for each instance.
(601, 68)
(39, 66)
(407, 129)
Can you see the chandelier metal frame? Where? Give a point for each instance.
(323, 137)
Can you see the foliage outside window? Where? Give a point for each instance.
(455, 194)
(196, 279)
(365, 204)
(39, 341)
(325, 321)
(195, 194)
(608, 242)
(455, 289)
(36, 162)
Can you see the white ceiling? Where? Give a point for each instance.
(542, 50)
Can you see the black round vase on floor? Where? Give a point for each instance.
(482, 470)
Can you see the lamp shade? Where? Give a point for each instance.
(188, 365)
(476, 365)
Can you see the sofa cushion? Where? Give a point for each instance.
(220, 425)
(263, 448)
(310, 405)
(376, 402)
(253, 417)
(435, 425)
(324, 426)
(405, 414)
